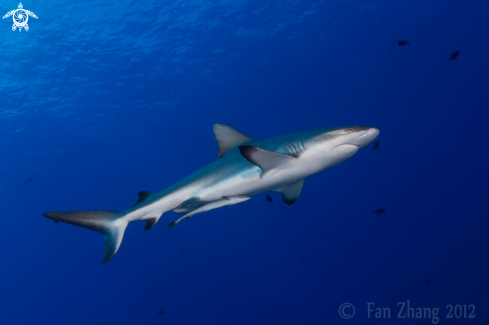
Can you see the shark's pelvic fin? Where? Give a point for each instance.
(143, 195)
(103, 221)
(228, 138)
(291, 192)
(270, 162)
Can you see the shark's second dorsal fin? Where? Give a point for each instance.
(228, 138)
(143, 195)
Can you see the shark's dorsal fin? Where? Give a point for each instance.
(228, 138)
(270, 162)
(143, 195)
(291, 192)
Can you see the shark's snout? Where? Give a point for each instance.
(365, 136)
(372, 133)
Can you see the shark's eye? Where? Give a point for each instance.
(349, 130)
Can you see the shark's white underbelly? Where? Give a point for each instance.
(248, 183)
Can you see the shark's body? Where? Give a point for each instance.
(245, 168)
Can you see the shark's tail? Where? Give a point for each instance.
(106, 222)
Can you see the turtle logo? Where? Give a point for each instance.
(20, 17)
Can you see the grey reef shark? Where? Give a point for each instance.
(245, 167)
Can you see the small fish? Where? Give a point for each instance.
(402, 43)
(429, 282)
(269, 198)
(380, 211)
(28, 181)
(454, 56)
(161, 312)
(376, 145)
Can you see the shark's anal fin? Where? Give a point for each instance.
(270, 162)
(291, 192)
(228, 138)
(143, 195)
(103, 221)
(150, 223)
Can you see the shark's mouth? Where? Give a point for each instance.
(346, 150)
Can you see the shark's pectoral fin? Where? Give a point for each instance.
(291, 192)
(270, 162)
(143, 195)
(228, 138)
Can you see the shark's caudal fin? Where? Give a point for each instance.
(103, 221)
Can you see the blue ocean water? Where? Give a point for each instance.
(102, 100)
